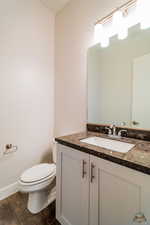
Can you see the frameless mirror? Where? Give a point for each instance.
(119, 81)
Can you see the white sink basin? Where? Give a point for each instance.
(113, 145)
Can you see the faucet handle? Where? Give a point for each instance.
(123, 124)
(120, 132)
(109, 130)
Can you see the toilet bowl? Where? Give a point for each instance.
(40, 183)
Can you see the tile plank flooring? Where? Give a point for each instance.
(13, 211)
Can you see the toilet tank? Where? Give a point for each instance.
(54, 151)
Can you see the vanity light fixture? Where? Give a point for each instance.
(119, 21)
(143, 13)
(119, 25)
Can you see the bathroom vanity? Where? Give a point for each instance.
(97, 186)
(101, 181)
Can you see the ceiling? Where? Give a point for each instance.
(55, 5)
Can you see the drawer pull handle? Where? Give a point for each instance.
(140, 218)
(92, 172)
(83, 168)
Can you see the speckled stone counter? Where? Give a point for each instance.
(137, 158)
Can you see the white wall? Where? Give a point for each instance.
(74, 34)
(26, 84)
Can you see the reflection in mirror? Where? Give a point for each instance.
(141, 92)
(119, 80)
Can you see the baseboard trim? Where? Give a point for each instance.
(8, 190)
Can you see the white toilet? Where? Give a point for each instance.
(40, 183)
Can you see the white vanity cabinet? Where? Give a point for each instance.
(93, 191)
(117, 194)
(72, 186)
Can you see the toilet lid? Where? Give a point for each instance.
(38, 172)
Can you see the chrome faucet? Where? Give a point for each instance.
(112, 132)
(113, 128)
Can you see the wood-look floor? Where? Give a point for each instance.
(13, 211)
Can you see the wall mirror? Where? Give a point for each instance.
(119, 81)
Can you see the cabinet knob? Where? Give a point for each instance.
(139, 218)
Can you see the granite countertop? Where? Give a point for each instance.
(137, 158)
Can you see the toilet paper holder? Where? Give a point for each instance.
(10, 148)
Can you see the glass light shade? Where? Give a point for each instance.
(104, 42)
(98, 32)
(117, 19)
(104, 39)
(123, 33)
(143, 13)
(100, 36)
(119, 25)
(145, 24)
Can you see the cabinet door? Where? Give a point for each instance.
(115, 193)
(72, 186)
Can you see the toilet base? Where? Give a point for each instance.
(39, 200)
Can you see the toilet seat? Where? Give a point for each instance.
(38, 174)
